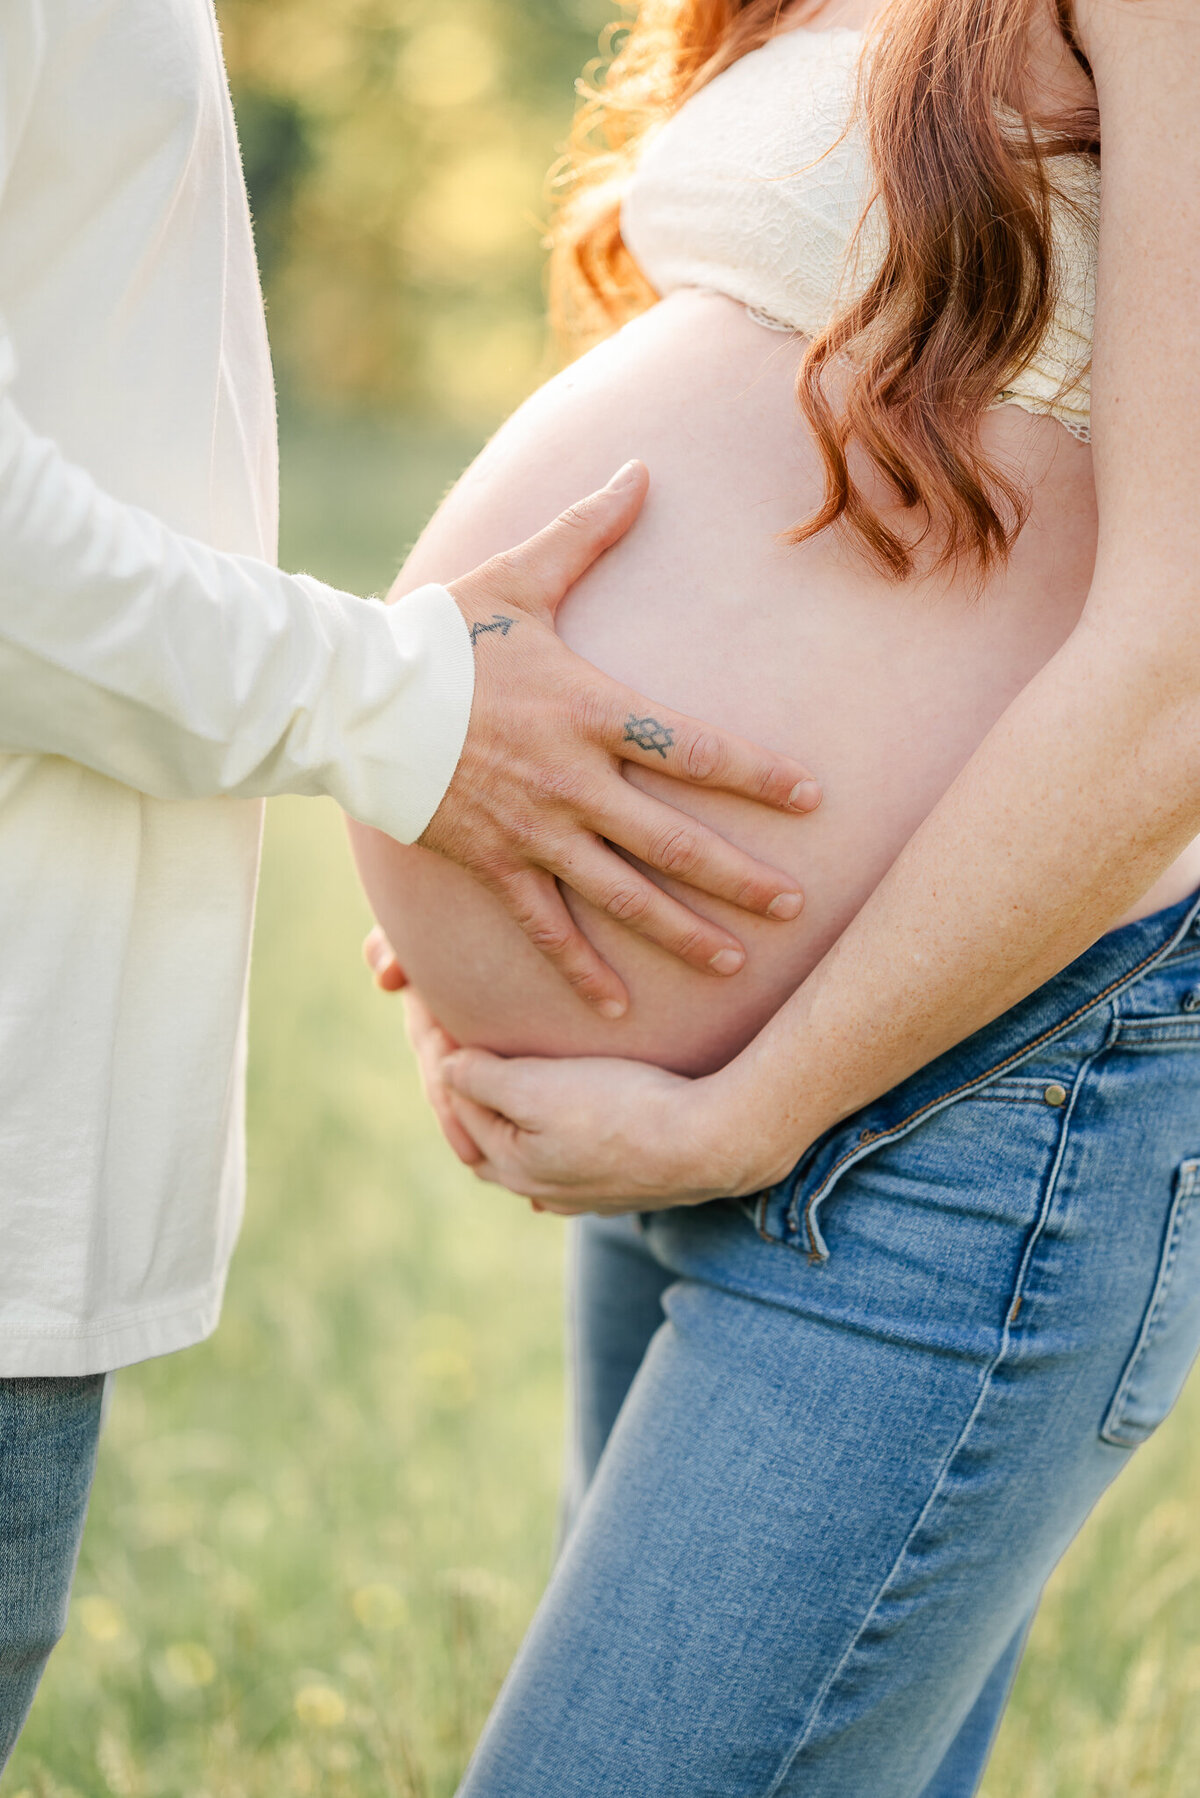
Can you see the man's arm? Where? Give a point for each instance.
(187, 673)
(183, 672)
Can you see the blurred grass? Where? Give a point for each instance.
(315, 1540)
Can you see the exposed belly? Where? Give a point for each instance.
(883, 691)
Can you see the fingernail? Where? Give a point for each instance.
(786, 905)
(727, 961)
(804, 796)
(625, 476)
(611, 1008)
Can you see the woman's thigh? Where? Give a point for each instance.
(615, 1293)
(616, 1288)
(767, 1476)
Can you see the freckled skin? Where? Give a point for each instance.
(883, 691)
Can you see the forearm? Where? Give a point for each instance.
(188, 673)
(1084, 792)
(1089, 786)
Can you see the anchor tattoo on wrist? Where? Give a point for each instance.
(649, 734)
(499, 623)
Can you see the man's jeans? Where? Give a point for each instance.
(48, 1434)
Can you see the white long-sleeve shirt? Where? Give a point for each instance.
(158, 676)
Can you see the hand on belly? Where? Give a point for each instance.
(884, 692)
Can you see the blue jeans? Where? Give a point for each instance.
(830, 1441)
(48, 1434)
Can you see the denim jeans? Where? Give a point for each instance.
(829, 1442)
(48, 1434)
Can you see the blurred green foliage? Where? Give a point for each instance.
(396, 154)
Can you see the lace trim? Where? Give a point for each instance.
(1079, 429)
(770, 323)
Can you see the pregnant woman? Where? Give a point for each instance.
(897, 1248)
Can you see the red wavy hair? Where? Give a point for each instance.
(965, 290)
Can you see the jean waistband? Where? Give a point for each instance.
(1094, 978)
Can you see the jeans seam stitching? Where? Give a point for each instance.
(955, 1092)
(1151, 1325)
(1044, 1208)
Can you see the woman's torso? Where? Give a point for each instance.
(884, 690)
(760, 188)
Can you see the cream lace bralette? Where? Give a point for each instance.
(754, 189)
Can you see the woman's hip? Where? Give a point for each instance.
(881, 1399)
(1029, 1204)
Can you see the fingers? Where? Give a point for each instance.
(432, 1045)
(381, 959)
(487, 1095)
(495, 1137)
(640, 731)
(537, 906)
(537, 575)
(609, 883)
(690, 852)
(490, 1081)
(456, 1135)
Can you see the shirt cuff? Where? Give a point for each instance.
(417, 736)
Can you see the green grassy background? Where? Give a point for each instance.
(316, 1539)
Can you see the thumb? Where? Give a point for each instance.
(538, 574)
(487, 1080)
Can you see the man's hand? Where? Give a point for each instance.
(538, 795)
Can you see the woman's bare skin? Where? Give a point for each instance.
(884, 691)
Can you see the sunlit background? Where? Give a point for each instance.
(396, 153)
(316, 1540)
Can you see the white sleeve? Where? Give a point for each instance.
(186, 672)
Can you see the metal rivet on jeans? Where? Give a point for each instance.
(1055, 1094)
(1191, 1001)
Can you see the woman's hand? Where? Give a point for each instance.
(604, 1135)
(380, 957)
(593, 1134)
(431, 1044)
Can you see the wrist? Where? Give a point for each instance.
(746, 1135)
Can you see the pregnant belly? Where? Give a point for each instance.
(883, 691)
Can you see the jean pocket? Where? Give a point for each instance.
(1170, 1334)
(1051, 1088)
